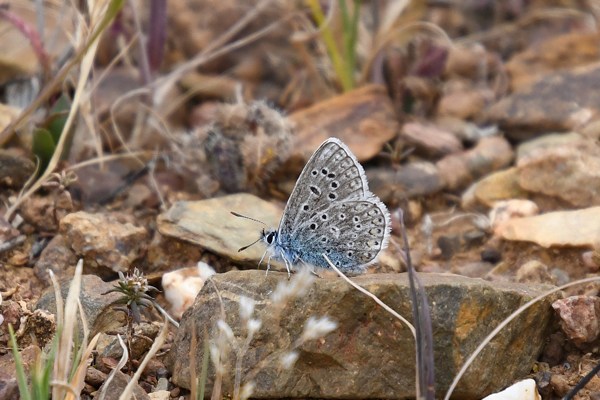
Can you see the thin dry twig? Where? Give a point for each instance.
(371, 295)
(85, 58)
(394, 33)
(161, 86)
(119, 366)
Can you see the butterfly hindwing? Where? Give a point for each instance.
(351, 233)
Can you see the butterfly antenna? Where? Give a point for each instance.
(245, 247)
(251, 219)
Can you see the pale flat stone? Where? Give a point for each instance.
(210, 224)
(522, 390)
(578, 228)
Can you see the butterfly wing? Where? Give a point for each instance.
(351, 233)
(332, 174)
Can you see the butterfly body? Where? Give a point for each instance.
(331, 212)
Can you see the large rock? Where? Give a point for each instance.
(370, 354)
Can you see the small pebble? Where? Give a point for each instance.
(448, 245)
(474, 237)
(535, 272)
(523, 390)
(505, 210)
(491, 255)
(182, 286)
(579, 317)
(591, 260)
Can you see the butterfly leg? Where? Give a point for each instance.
(312, 268)
(268, 264)
(288, 267)
(262, 258)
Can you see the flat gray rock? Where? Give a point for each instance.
(210, 224)
(370, 354)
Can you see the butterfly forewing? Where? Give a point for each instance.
(331, 175)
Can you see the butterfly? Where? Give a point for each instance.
(330, 212)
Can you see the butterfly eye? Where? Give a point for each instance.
(271, 237)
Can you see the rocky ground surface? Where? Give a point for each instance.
(486, 139)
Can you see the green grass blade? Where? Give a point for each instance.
(21, 377)
(341, 69)
(111, 12)
(48, 368)
(353, 36)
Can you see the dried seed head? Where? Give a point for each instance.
(246, 308)
(226, 330)
(253, 326)
(317, 327)
(295, 287)
(288, 360)
(247, 390)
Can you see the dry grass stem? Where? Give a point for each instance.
(119, 366)
(88, 46)
(158, 342)
(78, 380)
(402, 32)
(62, 364)
(163, 85)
